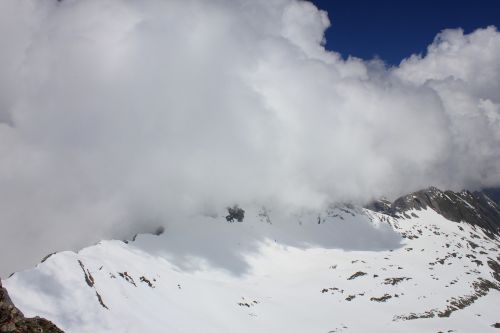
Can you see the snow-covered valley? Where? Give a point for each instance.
(344, 270)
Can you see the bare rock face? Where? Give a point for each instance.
(235, 213)
(13, 321)
(475, 208)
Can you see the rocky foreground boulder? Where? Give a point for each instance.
(13, 321)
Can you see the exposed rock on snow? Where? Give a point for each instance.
(13, 321)
(407, 268)
(475, 208)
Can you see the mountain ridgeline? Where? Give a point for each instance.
(428, 259)
(476, 208)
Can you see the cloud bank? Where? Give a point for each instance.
(118, 113)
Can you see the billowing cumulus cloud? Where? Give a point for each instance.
(118, 113)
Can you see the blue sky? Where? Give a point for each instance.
(392, 30)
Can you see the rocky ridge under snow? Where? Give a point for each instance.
(427, 262)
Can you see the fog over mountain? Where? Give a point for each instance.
(119, 115)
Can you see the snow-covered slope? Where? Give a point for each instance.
(344, 270)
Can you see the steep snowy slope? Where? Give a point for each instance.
(344, 270)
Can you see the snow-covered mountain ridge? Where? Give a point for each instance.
(476, 208)
(428, 262)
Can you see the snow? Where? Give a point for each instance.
(257, 276)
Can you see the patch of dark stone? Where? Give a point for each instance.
(88, 277)
(325, 290)
(472, 244)
(442, 260)
(127, 278)
(356, 275)
(481, 288)
(495, 267)
(350, 298)
(381, 298)
(145, 280)
(408, 236)
(235, 213)
(99, 298)
(48, 256)
(394, 281)
(248, 304)
(496, 325)
(478, 262)
(244, 304)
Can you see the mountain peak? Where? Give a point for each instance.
(475, 208)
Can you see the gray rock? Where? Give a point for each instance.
(13, 321)
(475, 208)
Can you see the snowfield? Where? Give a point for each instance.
(344, 270)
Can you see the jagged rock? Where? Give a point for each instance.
(448, 258)
(495, 267)
(381, 298)
(475, 208)
(395, 281)
(13, 321)
(355, 275)
(235, 213)
(380, 205)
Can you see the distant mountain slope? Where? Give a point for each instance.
(428, 262)
(493, 193)
(476, 208)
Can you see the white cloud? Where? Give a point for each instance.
(116, 113)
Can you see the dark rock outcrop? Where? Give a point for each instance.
(475, 208)
(481, 288)
(13, 321)
(356, 275)
(235, 213)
